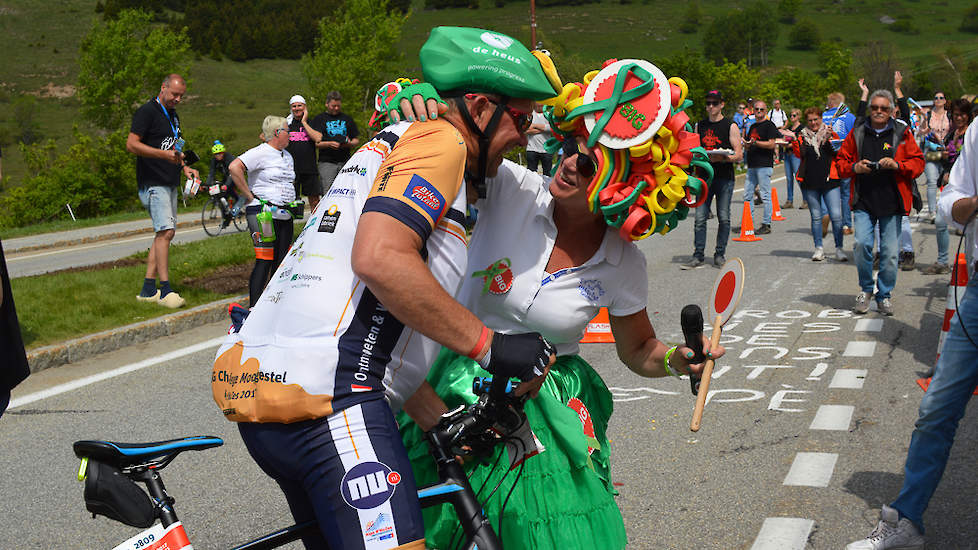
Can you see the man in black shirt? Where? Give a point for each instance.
(302, 146)
(156, 140)
(340, 136)
(716, 133)
(13, 358)
(760, 162)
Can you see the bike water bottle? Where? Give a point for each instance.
(266, 229)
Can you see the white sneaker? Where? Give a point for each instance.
(862, 302)
(840, 255)
(891, 533)
(819, 254)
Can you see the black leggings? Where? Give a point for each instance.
(268, 254)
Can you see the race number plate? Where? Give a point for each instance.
(158, 538)
(214, 190)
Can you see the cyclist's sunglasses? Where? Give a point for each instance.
(521, 119)
(586, 165)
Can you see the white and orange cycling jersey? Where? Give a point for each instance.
(318, 340)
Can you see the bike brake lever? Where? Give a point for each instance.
(691, 319)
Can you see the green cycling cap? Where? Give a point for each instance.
(462, 59)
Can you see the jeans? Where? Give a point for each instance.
(759, 177)
(932, 171)
(161, 202)
(791, 163)
(943, 238)
(815, 199)
(845, 194)
(723, 191)
(889, 227)
(906, 235)
(942, 407)
(534, 158)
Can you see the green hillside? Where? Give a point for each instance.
(41, 48)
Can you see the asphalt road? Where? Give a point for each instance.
(758, 475)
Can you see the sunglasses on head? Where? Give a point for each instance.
(586, 165)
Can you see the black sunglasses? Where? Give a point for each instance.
(586, 165)
(712, 103)
(521, 119)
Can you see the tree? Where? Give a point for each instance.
(835, 67)
(804, 35)
(736, 36)
(788, 10)
(348, 59)
(691, 19)
(123, 62)
(970, 21)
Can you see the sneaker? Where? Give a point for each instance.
(695, 264)
(172, 300)
(846, 230)
(719, 260)
(758, 201)
(906, 261)
(862, 302)
(787, 205)
(891, 533)
(763, 230)
(804, 205)
(153, 298)
(885, 307)
(840, 255)
(825, 225)
(937, 269)
(819, 254)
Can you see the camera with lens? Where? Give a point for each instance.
(874, 166)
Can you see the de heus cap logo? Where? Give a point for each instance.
(497, 40)
(368, 485)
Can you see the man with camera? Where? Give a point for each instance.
(340, 136)
(884, 159)
(156, 140)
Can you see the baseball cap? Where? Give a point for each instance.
(714, 94)
(297, 99)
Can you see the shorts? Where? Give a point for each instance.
(161, 201)
(327, 173)
(308, 185)
(348, 471)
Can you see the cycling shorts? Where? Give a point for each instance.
(345, 470)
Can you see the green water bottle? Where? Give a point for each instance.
(266, 229)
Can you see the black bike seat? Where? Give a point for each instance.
(126, 454)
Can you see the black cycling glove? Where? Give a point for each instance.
(523, 356)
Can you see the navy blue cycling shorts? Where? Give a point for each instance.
(348, 471)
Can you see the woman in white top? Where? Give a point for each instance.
(270, 176)
(540, 259)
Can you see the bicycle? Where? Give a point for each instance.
(216, 214)
(110, 471)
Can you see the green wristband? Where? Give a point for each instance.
(669, 353)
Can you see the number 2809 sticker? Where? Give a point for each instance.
(158, 538)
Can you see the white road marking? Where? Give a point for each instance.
(860, 349)
(97, 245)
(811, 469)
(868, 325)
(818, 371)
(832, 417)
(783, 534)
(848, 379)
(82, 382)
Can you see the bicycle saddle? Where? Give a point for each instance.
(122, 455)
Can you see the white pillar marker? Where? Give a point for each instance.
(783, 534)
(860, 349)
(811, 469)
(832, 417)
(850, 379)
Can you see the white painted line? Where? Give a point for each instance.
(110, 242)
(860, 349)
(783, 534)
(851, 379)
(82, 382)
(818, 371)
(833, 417)
(868, 325)
(811, 469)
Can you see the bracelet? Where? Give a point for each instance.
(483, 336)
(665, 363)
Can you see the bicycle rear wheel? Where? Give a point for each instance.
(212, 218)
(240, 221)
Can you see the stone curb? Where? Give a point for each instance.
(75, 350)
(96, 238)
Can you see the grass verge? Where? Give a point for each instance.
(59, 306)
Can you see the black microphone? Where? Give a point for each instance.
(691, 319)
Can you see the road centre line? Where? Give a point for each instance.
(783, 534)
(811, 469)
(82, 382)
(832, 417)
(95, 245)
(868, 325)
(851, 379)
(860, 349)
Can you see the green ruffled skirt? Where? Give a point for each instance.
(564, 498)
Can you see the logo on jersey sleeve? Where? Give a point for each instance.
(381, 528)
(368, 485)
(330, 220)
(425, 195)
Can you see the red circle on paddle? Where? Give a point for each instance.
(725, 292)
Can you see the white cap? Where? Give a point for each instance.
(297, 99)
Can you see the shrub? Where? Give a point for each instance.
(970, 21)
(904, 25)
(804, 35)
(691, 19)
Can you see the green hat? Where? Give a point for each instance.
(461, 59)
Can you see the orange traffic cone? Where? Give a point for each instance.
(959, 281)
(598, 330)
(747, 227)
(776, 216)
